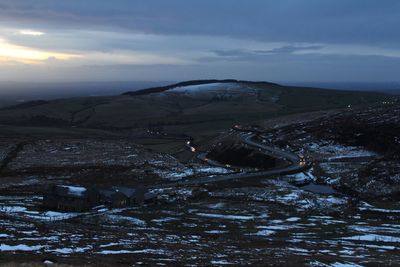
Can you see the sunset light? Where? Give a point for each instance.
(31, 32)
(20, 54)
(199, 133)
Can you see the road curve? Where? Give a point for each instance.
(295, 166)
(294, 159)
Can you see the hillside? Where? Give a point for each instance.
(188, 107)
(215, 183)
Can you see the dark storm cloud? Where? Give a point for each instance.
(181, 39)
(289, 49)
(351, 21)
(254, 54)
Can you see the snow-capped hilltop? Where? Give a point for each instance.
(224, 101)
(205, 87)
(195, 84)
(211, 89)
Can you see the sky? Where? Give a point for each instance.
(174, 40)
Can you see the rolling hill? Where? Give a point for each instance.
(183, 107)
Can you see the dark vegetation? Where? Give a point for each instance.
(43, 120)
(28, 104)
(235, 154)
(376, 129)
(12, 154)
(304, 99)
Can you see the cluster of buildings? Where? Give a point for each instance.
(79, 199)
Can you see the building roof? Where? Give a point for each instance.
(80, 192)
(70, 191)
(107, 193)
(150, 196)
(127, 191)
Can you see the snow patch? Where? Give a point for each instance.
(204, 87)
(75, 190)
(224, 216)
(149, 251)
(374, 238)
(221, 262)
(265, 233)
(21, 247)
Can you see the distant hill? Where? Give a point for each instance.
(393, 91)
(383, 87)
(160, 89)
(18, 92)
(183, 107)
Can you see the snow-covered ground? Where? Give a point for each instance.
(206, 87)
(337, 151)
(272, 216)
(178, 173)
(300, 178)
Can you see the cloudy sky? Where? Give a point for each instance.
(152, 40)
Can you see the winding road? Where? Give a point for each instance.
(296, 165)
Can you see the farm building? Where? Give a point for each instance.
(119, 196)
(70, 198)
(77, 198)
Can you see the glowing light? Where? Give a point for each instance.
(31, 32)
(27, 55)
